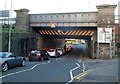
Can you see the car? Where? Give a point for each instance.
(38, 55)
(61, 51)
(8, 60)
(69, 49)
(53, 53)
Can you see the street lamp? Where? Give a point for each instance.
(10, 27)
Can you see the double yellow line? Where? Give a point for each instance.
(81, 75)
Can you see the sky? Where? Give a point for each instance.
(55, 6)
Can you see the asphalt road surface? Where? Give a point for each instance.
(62, 69)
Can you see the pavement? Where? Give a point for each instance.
(105, 71)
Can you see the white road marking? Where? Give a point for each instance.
(83, 67)
(48, 61)
(13, 73)
(34, 66)
(71, 74)
(22, 70)
(79, 61)
(59, 58)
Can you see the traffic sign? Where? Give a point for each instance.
(104, 35)
(53, 25)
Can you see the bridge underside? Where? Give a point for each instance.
(66, 32)
(55, 37)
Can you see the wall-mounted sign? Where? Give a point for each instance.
(53, 25)
(104, 35)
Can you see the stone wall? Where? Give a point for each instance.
(21, 43)
(22, 19)
(106, 19)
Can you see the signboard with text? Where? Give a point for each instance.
(104, 35)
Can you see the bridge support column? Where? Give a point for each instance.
(106, 19)
(22, 19)
(93, 47)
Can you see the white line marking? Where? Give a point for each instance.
(79, 61)
(33, 66)
(71, 74)
(83, 67)
(13, 73)
(44, 63)
(22, 70)
(59, 58)
(48, 62)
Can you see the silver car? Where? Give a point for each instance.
(61, 51)
(8, 60)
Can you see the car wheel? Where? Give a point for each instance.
(41, 59)
(5, 66)
(23, 63)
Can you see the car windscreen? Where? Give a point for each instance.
(4, 55)
(35, 52)
(51, 50)
(59, 49)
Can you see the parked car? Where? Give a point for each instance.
(53, 53)
(68, 49)
(38, 55)
(61, 51)
(8, 60)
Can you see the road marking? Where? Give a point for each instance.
(22, 70)
(59, 58)
(79, 61)
(81, 75)
(48, 61)
(13, 73)
(83, 67)
(71, 74)
(35, 66)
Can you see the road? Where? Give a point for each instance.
(63, 69)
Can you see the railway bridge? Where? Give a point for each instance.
(56, 27)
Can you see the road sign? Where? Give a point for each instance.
(53, 25)
(104, 35)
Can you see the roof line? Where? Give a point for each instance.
(64, 13)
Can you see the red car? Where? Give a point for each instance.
(68, 49)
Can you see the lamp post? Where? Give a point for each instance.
(10, 28)
(110, 46)
(110, 50)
